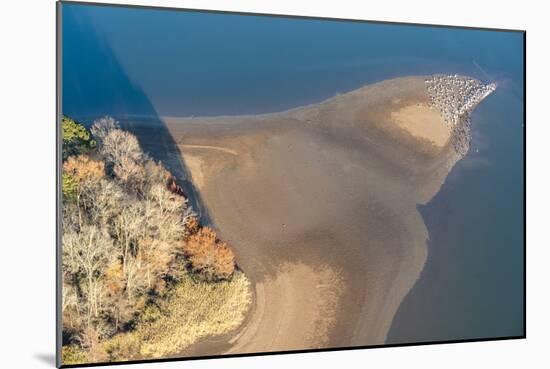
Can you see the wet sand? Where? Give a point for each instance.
(320, 205)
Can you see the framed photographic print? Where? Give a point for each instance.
(240, 184)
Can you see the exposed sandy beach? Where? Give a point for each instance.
(320, 205)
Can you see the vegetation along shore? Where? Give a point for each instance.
(141, 277)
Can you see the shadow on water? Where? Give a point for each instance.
(96, 84)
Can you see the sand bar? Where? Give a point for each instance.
(320, 204)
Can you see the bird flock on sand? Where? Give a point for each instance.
(455, 97)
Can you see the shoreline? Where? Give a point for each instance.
(344, 218)
(456, 237)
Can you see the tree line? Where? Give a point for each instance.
(128, 234)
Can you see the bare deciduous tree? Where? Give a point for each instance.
(86, 256)
(101, 128)
(118, 145)
(124, 158)
(102, 200)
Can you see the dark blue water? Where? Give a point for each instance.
(136, 62)
(472, 284)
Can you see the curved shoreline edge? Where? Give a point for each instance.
(320, 203)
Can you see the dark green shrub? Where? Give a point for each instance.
(76, 138)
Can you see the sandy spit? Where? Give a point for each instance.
(320, 205)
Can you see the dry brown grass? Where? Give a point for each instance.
(194, 310)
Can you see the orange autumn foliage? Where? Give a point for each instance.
(114, 279)
(210, 258)
(192, 225)
(83, 168)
